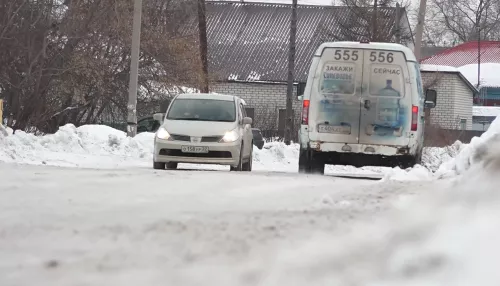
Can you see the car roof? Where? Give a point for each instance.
(372, 46)
(213, 96)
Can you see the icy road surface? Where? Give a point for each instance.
(143, 227)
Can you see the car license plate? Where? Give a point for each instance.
(323, 128)
(194, 149)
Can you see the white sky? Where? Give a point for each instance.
(334, 2)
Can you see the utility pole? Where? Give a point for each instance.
(374, 37)
(134, 70)
(478, 53)
(202, 27)
(420, 29)
(397, 23)
(291, 67)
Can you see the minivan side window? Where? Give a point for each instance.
(419, 81)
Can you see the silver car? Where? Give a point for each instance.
(204, 129)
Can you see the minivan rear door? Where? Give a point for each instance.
(335, 106)
(386, 99)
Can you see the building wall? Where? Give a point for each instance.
(464, 99)
(266, 99)
(454, 100)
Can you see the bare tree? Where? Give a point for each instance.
(463, 20)
(374, 20)
(202, 29)
(68, 62)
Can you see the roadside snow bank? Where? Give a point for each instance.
(89, 145)
(445, 237)
(472, 153)
(98, 146)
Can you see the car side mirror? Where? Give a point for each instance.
(430, 98)
(158, 117)
(247, 120)
(300, 97)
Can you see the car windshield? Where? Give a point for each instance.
(202, 110)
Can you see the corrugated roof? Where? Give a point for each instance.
(466, 54)
(249, 41)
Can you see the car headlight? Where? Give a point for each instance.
(230, 136)
(162, 133)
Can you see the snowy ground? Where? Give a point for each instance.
(110, 219)
(137, 226)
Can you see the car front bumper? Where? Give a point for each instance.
(218, 153)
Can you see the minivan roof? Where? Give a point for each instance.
(214, 96)
(372, 46)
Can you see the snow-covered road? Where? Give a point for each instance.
(84, 207)
(137, 226)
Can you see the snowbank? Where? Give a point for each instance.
(93, 146)
(97, 146)
(447, 237)
(472, 153)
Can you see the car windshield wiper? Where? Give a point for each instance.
(200, 119)
(189, 119)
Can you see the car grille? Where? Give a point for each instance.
(211, 138)
(180, 137)
(206, 139)
(210, 154)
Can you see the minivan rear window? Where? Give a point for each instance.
(386, 80)
(338, 78)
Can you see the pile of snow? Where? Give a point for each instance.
(445, 237)
(472, 153)
(86, 146)
(437, 68)
(98, 146)
(434, 157)
(489, 74)
(417, 173)
(489, 111)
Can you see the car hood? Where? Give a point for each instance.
(198, 128)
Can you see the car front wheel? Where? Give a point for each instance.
(248, 165)
(239, 167)
(158, 166)
(171, 165)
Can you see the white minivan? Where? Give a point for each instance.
(363, 104)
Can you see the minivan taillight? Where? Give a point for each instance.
(414, 118)
(305, 112)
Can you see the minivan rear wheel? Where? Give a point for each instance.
(310, 164)
(303, 162)
(318, 166)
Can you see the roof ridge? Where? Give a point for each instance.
(463, 46)
(255, 3)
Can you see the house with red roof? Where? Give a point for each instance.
(465, 58)
(455, 96)
(466, 54)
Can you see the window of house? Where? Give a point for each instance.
(463, 124)
(250, 112)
